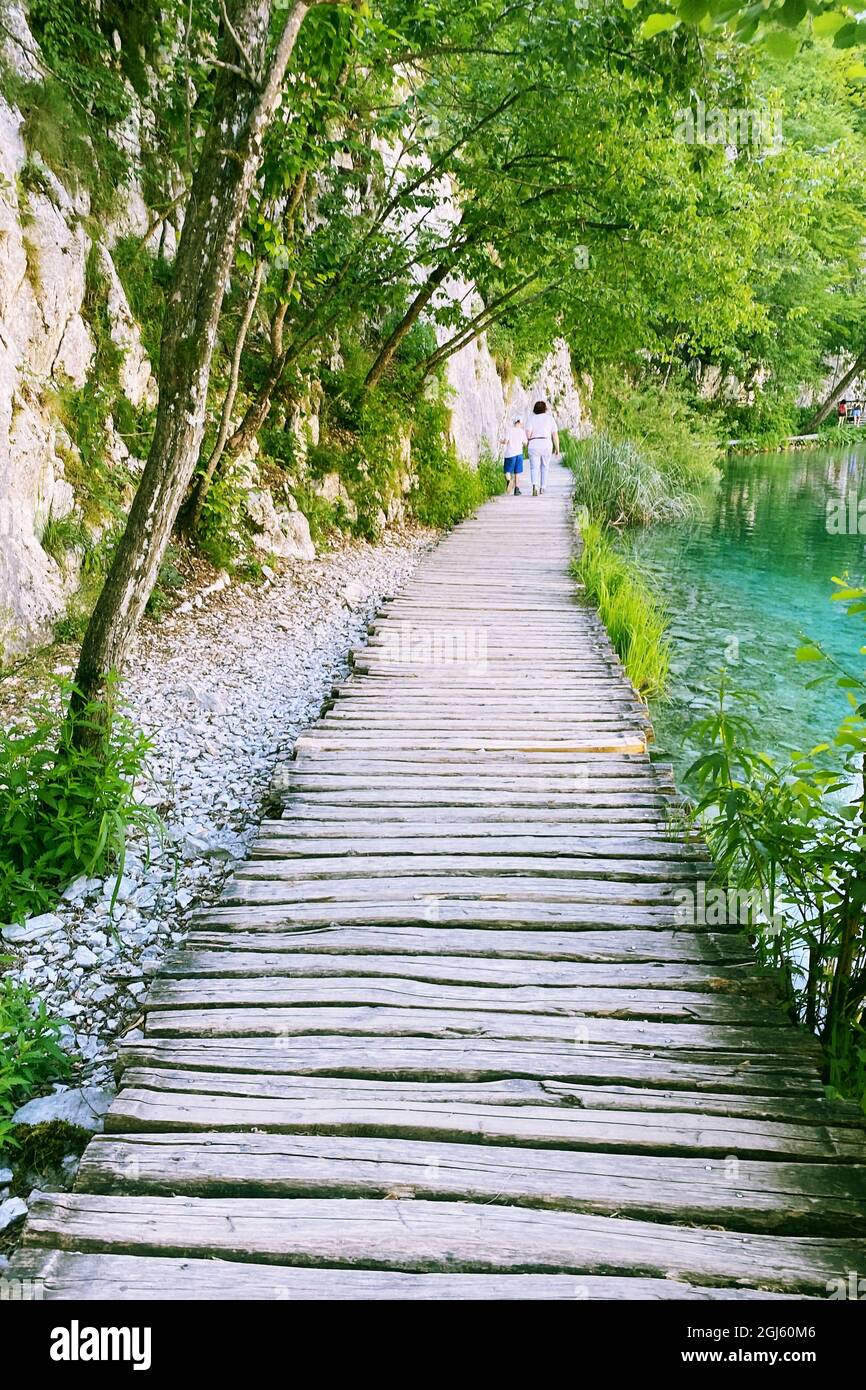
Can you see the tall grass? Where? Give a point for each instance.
(629, 610)
(672, 429)
(620, 485)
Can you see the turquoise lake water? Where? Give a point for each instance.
(744, 581)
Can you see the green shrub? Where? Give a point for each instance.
(222, 535)
(767, 422)
(30, 1053)
(620, 485)
(633, 616)
(449, 491)
(671, 430)
(65, 811)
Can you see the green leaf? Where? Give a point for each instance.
(828, 23)
(780, 43)
(693, 11)
(793, 11)
(657, 24)
(846, 37)
(809, 653)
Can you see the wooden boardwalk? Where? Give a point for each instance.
(443, 1037)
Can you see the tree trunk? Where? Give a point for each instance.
(474, 327)
(243, 107)
(191, 515)
(409, 319)
(836, 394)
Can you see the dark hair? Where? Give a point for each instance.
(540, 408)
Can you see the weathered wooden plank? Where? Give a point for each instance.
(591, 916)
(513, 891)
(479, 1059)
(641, 859)
(424, 1236)
(601, 743)
(746, 1195)
(366, 835)
(553, 874)
(250, 1021)
(192, 961)
(284, 991)
(803, 1116)
(65, 1276)
(474, 1122)
(649, 950)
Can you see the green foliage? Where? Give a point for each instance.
(146, 280)
(447, 490)
(65, 811)
(633, 616)
(619, 485)
(794, 833)
(169, 581)
(60, 535)
(102, 487)
(768, 422)
(223, 531)
(671, 428)
(72, 118)
(30, 1053)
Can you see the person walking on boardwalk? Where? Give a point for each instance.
(514, 443)
(543, 438)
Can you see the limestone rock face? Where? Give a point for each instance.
(555, 383)
(284, 533)
(482, 403)
(46, 345)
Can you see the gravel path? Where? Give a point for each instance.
(223, 691)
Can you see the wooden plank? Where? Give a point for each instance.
(720, 953)
(65, 1277)
(635, 857)
(512, 890)
(610, 839)
(553, 874)
(794, 1198)
(810, 1115)
(472, 1058)
(425, 1236)
(600, 744)
(590, 916)
(401, 991)
(262, 990)
(381, 1021)
(651, 979)
(473, 1122)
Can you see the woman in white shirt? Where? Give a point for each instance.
(513, 443)
(543, 437)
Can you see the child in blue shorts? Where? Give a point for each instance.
(514, 443)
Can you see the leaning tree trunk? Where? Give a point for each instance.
(245, 97)
(391, 345)
(836, 394)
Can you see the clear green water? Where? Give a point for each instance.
(744, 582)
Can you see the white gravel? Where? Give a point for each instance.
(223, 694)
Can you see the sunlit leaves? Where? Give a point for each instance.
(658, 24)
